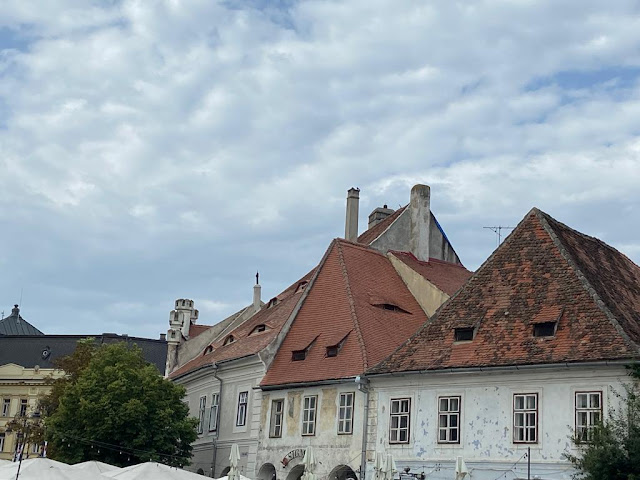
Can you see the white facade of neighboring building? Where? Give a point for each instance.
(486, 412)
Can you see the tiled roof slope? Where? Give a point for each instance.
(14, 324)
(347, 301)
(374, 232)
(447, 276)
(273, 317)
(544, 271)
(195, 330)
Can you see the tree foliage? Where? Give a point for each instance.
(113, 406)
(614, 451)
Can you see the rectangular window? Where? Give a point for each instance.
(345, 414)
(277, 408)
(213, 412)
(1, 442)
(309, 415)
(588, 414)
(449, 420)
(23, 407)
(6, 405)
(463, 334)
(201, 413)
(241, 418)
(399, 421)
(525, 418)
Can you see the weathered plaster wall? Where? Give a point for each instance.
(487, 417)
(426, 293)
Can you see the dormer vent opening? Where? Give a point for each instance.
(464, 334)
(273, 302)
(258, 328)
(301, 286)
(545, 329)
(298, 355)
(228, 340)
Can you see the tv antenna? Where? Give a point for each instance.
(498, 231)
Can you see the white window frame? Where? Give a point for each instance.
(400, 409)
(202, 408)
(587, 417)
(309, 414)
(243, 403)
(345, 413)
(6, 407)
(449, 409)
(24, 407)
(213, 412)
(2, 439)
(277, 417)
(525, 418)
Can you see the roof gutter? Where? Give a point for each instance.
(206, 366)
(507, 368)
(306, 384)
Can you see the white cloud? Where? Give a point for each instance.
(159, 147)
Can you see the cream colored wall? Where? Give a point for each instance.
(426, 293)
(17, 382)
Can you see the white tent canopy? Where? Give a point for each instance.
(94, 467)
(151, 471)
(39, 469)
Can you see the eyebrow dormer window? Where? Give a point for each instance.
(545, 329)
(464, 334)
(208, 350)
(229, 340)
(298, 355)
(301, 286)
(272, 302)
(258, 328)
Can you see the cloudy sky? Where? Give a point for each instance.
(154, 150)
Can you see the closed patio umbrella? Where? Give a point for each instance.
(234, 460)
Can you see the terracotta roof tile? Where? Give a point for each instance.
(195, 330)
(340, 301)
(374, 232)
(544, 271)
(447, 276)
(245, 343)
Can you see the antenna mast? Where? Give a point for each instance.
(498, 231)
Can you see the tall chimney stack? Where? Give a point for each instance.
(420, 209)
(351, 222)
(257, 293)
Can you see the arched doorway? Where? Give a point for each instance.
(225, 472)
(200, 471)
(296, 472)
(342, 472)
(267, 472)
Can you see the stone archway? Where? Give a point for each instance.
(296, 472)
(200, 471)
(225, 472)
(267, 472)
(342, 472)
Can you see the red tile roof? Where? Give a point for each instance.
(544, 271)
(195, 330)
(447, 276)
(347, 300)
(245, 343)
(374, 232)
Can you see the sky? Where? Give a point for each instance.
(155, 150)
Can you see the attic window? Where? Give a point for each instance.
(229, 340)
(464, 334)
(391, 307)
(545, 329)
(258, 328)
(208, 350)
(332, 350)
(272, 302)
(298, 355)
(301, 286)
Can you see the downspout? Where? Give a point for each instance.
(363, 386)
(217, 435)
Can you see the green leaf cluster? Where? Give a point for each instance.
(614, 451)
(114, 407)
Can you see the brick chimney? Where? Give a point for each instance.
(420, 210)
(378, 215)
(351, 222)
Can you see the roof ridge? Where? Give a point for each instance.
(360, 246)
(431, 259)
(542, 217)
(352, 306)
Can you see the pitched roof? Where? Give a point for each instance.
(374, 232)
(447, 276)
(353, 298)
(248, 341)
(195, 330)
(544, 271)
(14, 324)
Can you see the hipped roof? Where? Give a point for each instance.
(544, 271)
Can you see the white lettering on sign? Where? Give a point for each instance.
(298, 452)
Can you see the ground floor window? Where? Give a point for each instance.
(399, 421)
(588, 414)
(449, 420)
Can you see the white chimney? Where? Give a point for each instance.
(257, 302)
(351, 222)
(420, 210)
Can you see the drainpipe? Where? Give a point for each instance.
(363, 386)
(217, 435)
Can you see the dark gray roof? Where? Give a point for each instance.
(14, 324)
(29, 350)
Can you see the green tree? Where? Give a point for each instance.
(614, 451)
(113, 406)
